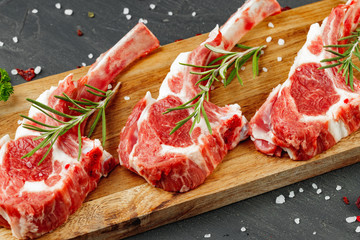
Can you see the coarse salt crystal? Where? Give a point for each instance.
(262, 52)
(193, 14)
(83, 64)
(109, 86)
(212, 87)
(280, 199)
(357, 229)
(14, 72)
(142, 20)
(242, 68)
(152, 6)
(268, 39)
(127, 98)
(264, 69)
(90, 55)
(301, 190)
(58, 5)
(40, 174)
(37, 70)
(20, 122)
(314, 233)
(327, 197)
(126, 11)
(297, 220)
(1, 43)
(291, 194)
(170, 13)
(35, 10)
(314, 186)
(319, 191)
(279, 59)
(68, 12)
(271, 25)
(350, 219)
(28, 164)
(243, 229)
(338, 187)
(15, 39)
(281, 42)
(208, 235)
(128, 16)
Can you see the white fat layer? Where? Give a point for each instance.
(175, 68)
(258, 132)
(4, 139)
(304, 55)
(192, 152)
(337, 129)
(2, 152)
(43, 98)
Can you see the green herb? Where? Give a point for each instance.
(6, 88)
(218, 67)
(345, 59)
(91, 14)
(85, 107)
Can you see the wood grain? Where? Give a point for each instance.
(124, 204)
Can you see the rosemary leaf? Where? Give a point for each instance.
(227, 60)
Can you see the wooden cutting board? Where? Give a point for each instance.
(124, 204)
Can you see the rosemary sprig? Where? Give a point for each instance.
(85, 107)
(216, 68)
(345, 59)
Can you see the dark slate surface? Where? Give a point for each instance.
(48, 39)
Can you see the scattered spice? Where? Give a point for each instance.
(79, 33)
(28, 74)
(358, 203)
(346, 200)
(91, 14)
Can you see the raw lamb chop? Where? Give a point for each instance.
(35, 199)
(180, 162)
(313, 109)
